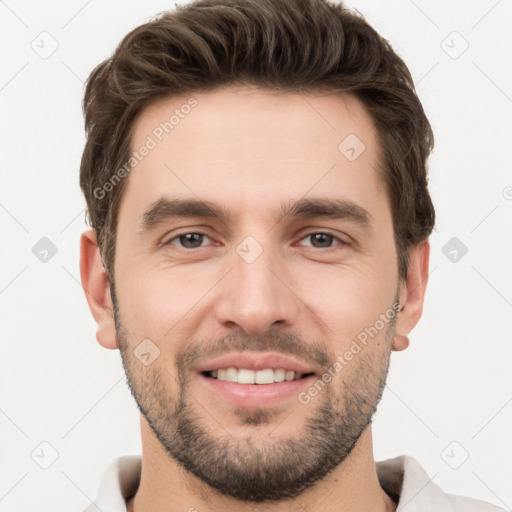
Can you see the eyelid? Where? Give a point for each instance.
(341, 241)
(324, 232)
(182, 233)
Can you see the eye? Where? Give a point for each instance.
(190, 240)
(323, 240)
(193, 240)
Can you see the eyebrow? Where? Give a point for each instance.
(168, 208)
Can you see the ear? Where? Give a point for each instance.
(412, 294)
(97, 290)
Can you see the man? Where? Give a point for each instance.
(255, 176)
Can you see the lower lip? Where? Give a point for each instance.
(257, 395)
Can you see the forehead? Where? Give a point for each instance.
(246, 115)
(245, 146)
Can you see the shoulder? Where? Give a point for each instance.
(119, 482)
(471, 504)
(404, 479)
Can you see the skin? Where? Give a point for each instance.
(250, 150)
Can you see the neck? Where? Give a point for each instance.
(165, 485)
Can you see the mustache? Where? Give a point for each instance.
(286, 343)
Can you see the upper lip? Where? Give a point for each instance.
(255, 361)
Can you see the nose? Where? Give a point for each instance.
(256, 295)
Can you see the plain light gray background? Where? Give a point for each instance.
(449, 395)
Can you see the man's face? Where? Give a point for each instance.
(256, 284)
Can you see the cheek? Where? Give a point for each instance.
(347, 300)
(159, 303)
(168, 302)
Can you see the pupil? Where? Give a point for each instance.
(322, 238)
(193, 238)
(188, 238)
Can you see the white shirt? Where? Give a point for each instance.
(402, 478)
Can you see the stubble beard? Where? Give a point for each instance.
(279, 467)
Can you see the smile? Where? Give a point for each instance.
(247, 376)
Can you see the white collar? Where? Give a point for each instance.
(401, 477)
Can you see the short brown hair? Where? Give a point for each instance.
(301, 46)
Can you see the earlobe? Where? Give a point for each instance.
(400, 342)
(97, 289)
(412, 294)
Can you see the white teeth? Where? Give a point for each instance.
(289, 375)
(279, 375)
(264, 376)
(245, 376)
(231, 375)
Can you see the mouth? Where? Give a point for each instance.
(253, 379)
(265, 376)
(255, 389)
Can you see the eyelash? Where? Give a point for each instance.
(341, 242)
